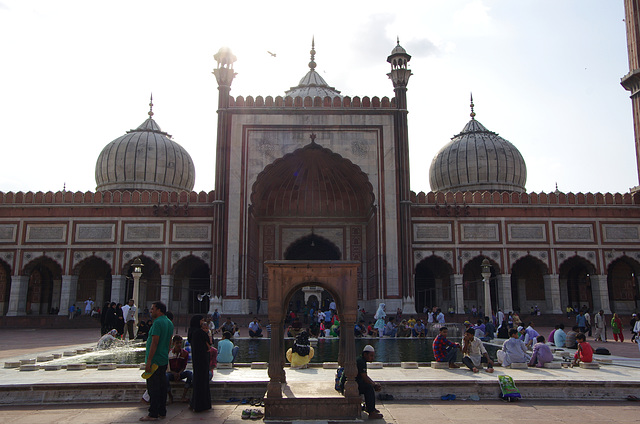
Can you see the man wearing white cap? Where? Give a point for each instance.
(366, 386)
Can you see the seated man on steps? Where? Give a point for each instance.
(366, 386)
(474, 353)
(513, 350)
(178, 358)
(445, 350)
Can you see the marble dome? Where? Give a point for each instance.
(478, 160)
(145, 158)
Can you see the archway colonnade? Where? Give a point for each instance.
(528, 285)
(41, 288)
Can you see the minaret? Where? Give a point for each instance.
(631, 81)
(224, 76)
(399, 75)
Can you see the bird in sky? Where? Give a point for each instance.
(272, 54)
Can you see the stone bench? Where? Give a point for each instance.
(519, 366)
(76, 367)
(29, 367)
(259, 365)
(409, 365)
(27, 361)
(605, 361)
(11, 364)
(553, 365)
(70, 353)
(330, 365)
(590, 365)
(374, 365)
(49, 367)
(439, 365)
(44, 358)
(57, 355)
(225, 366)
(106, 366)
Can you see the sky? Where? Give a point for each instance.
(545, 75)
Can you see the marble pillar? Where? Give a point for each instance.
(166, 288)
(118, 285)
(458, 293)
(505, 299)
(18, 295)
(552, 294)
(600, 292)
(68, 292)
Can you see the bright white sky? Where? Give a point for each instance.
(545, 75)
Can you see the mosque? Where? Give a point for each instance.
(318, 175)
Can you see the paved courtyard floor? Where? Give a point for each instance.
(406, 412)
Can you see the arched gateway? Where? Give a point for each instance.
(284, 279)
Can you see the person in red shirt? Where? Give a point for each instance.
(584, 352)
(178, 358)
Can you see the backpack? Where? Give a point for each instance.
(340, 380)
(602, 351)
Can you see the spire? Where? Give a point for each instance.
(473, 114)
(151, 107)
(312, 64)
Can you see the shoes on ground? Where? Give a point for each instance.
(256, 414)
(375, 415)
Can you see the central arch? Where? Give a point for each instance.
(285, 278)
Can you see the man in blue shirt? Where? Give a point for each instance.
(227, 352)
(559, 336)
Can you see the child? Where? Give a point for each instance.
(541, 353)
(585, 351)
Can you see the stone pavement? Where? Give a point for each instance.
(397, 412)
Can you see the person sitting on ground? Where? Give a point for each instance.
(301, 353)
(445, 350)
(228, 326)
(419, 330)
(360, 330)
(227, 352)
(108, 340)
(503, 330)
(513, 350)
(412, 321)
(570, 342)
(551, 335)
(474, 353)
(178, 358)
(541, 353)
(366, 386)
(530, 335)
(295, 328)
(254, 328)
(371, 330)
(560, 337)
(390, 330)
(478, 329)
(489, 329)
(584, 352)
(403, 329)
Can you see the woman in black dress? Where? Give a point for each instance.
(200, 343)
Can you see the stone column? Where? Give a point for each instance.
(18, 296)
(68, 293)
(349, 357)
(56, 292)
(552, 293)
(276, 354)
(118, 285)
(166, 289)
(100, 293)
(504, 291)
(458, 291)
(600, 292)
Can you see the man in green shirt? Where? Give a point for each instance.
(158, 354)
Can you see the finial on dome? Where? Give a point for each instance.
(312, 64)
(398, 39)
(151, 107)
(473, 114)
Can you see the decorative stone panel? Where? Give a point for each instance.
(191, 232)
(95, 232)
(447, 255)
(8, 233)
(621, 233)
(56, 255)
(542, 255)
(177, 255)
(46, 233)
(80, 255)
(480, 232)
(574, 232)
(334, 235)
(563, 255)
(432, 232)
(143, 232)
(527, 232)
(156, 255)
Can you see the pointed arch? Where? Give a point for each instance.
(42, 271)
(191, 277)
(312, 247)
(575, 282)
(150, 281)
(527, 282)
(94, 280)
(433, 283)
(622, 281)
(473, 290)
